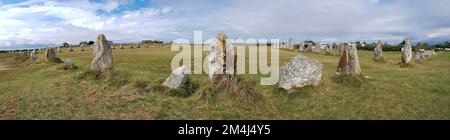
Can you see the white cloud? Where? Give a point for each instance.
(42, 21)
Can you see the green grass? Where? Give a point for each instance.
(38, 90)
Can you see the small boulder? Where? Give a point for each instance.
(177, 78)
(300, 71)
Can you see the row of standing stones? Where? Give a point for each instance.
(299, 71)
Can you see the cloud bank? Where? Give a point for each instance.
(37, 22)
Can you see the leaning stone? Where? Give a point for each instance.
(300, 71)
(102, 53)
(177, 78)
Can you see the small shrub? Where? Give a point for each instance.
(381, 60)
(111, 79)
(349, 80)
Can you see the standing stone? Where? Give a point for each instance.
(70, 48)
(301, 48)
(50, 55)
(82, 47)
(328, 49)
(318, 47)
(221, 59)
(121, 46)
(177, 78)
(33, 55)
(300, 71)
(348, 62)
(146, 45)
(102, 54)
(138, 46)
(290, 44)
(59, 49)
(309, 47)
(340, 48)
(407, 52)
(131, 46)
(378, 52)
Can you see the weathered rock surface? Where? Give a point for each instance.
(33, 55)
(50, 55)
(82, 47)
(177, 78)
(300, 71)
(301, 48)
(290, 44)
(378, 52)
(348, 62)
(68, 65)
(317, 47)
(309, 47)
(221, 58)
(102, 53)
(328, 49)
(340, 48)
(407, 52)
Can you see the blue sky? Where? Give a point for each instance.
(34, 23)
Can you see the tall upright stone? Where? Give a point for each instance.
(70, 48)
(221, 58)
(340, 48)
(318, 47)
(378, 52)
(102, 53)
(309, 47)
(81, 47)
(328, 49)
(50, 55)
(33, 55)
(407, 52)
(301, 48)
(290, 44)
(121, 46)
(348, 62)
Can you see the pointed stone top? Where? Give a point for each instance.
(101, 37)
(221, 36)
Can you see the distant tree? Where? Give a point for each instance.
(91, 42)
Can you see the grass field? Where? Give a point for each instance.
(30, 90)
